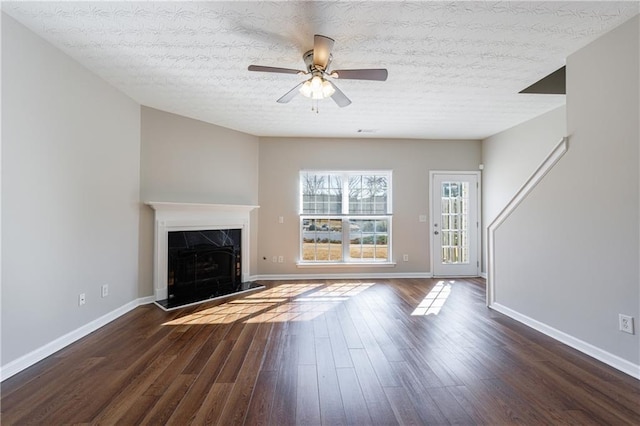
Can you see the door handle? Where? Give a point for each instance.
(435, 232)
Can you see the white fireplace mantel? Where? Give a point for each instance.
(166, 207)
(171, 217)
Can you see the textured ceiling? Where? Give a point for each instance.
(455, 68)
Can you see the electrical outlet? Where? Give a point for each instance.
(81, 299)
(274, 259)
(280, 219)
(625, 323)
(405, 257)
(280, 259)
(105, 290)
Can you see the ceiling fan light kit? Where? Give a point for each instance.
(318, 86)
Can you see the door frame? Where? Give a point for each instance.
(478, 175)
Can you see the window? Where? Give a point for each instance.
(345, 217)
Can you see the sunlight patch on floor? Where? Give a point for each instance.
(286, 302)
(435, 300)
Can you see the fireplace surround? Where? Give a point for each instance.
(200, 224)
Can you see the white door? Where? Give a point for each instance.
(455, 223)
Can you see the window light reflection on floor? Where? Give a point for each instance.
(435, 300)
(285, 302)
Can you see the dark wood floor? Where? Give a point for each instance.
(323, 352)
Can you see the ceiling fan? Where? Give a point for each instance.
(318, 86)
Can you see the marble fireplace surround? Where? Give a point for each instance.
(195, 217)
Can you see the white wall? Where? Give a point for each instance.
(281, 160)
(70, 184)
(569, 257)
(187, 160)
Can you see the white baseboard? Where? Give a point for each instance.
(145, 300)
(483, 275)
(601, 355)
(50, 348)
(354, 276)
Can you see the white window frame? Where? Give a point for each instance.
(346, 219)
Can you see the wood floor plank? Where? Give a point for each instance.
(377, 402)
(331, 407)
(595, 401)
(355, 406)
(237, 404)
(283, 411)
(275, 346)
(374, 321)
(27, 401)
(232, 366)
(416, 387)
(376, 356)
(397, 322)
(402, 407)
(262, 398)
(308, 401)
(306, 343)
(213, 339)
(320, 328)
(183, 350)
(195, 397)
(136, 412)
(339, 347)
(530, 382)
(349, 331)
(519, 408)
(135, 385)
(261, 337)
(327, 352)
(78, 393)
(211, 409)
(586, 376)
(479, 405)
(435, 360)
(420, 369)
(169, 400)
(461, 367)
(450, 408)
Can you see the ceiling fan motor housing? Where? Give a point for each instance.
(308, 61)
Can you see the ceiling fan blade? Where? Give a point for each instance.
(322, 47)
(366, 74)
(274, 69)
(290, 94)
(339, 97)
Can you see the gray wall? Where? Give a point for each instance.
(281, 160)
(186, 160)
(70, 182)
(569, 257)
(511, 157)
(191, 161)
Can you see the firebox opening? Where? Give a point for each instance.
(203, 265)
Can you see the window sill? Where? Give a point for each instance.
(346, 265)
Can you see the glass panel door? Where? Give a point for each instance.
(455, 224)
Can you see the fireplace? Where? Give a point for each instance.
(203, 264)
(201, 252)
